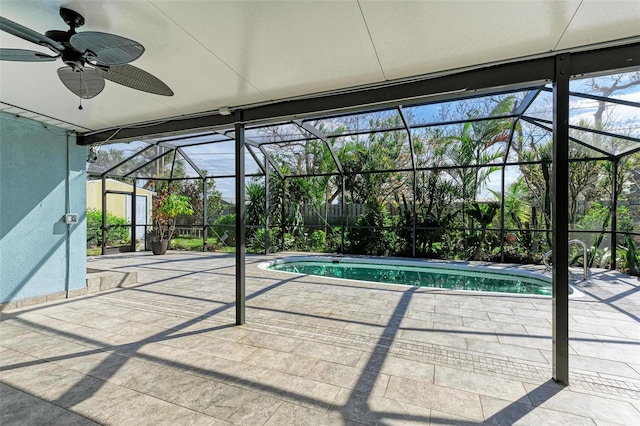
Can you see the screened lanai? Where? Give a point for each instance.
(494, 148)
(488, 131)
(465, 126)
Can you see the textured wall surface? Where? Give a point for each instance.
(42, 177)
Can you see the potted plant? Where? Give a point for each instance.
(166, 208)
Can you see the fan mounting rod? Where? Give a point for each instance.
(71, 18)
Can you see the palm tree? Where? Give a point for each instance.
(516, 204)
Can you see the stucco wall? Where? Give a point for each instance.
(36, 189)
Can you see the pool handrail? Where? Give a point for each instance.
(545, 258)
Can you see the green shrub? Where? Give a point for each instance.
(116, 235)
(369, 236)
(256, 243)
(318, 240)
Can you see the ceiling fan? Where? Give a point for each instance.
(90, 57)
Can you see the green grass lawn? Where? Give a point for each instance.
(181, 243)
(185, 243)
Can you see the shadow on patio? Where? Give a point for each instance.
(312, 352)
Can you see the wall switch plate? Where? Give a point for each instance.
(70, 218)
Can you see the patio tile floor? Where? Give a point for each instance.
(314, 351)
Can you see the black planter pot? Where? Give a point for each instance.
(159, 247)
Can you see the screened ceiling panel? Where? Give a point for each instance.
(542, 106)
(197, 140)
(361, 122)
(149, 163)
(609, 144)
(160, 167)
(215, 159)
(302, 157)
(286, 132)
(181, 168)
(111, 155)
(501, 105)
(581, 150)
(606, 116)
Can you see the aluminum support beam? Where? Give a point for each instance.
(134, 211)
(283, 210)
(205, 220)
(147, 163)
(104, 215)
(560, 225)
(121, 163)
(596, 131)
(537, 122)
(414, 198)
(600, 98)
(320, 135)
(342, 205)
(614, 212)
(255, 157)
(240, 222)
(266, 206)
(266, 155)
(191, 163)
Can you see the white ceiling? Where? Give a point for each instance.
(233, 53)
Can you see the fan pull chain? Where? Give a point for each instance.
(80, 96)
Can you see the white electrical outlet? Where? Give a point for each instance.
(70, 218)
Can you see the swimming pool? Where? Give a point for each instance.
(417, 273)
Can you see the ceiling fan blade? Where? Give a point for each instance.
(85, 84)
(109, 49)
(28, 34)
(22, 55)
(134, 77)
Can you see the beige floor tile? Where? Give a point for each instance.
(445, 399)
(521, 319)
(439, 418)
(149, 410)
(503, 412)
(440, 337)
(223, 349)
(328, 352)
(624, 351)
(596, 407)
(603, 366)
(483, 384)
(367, 381)
(398, 367)
(376, 409)
(467, 332)
(296, 415)
(298, 390)
(18, 408)
(464, 312)
(182, 362)
(270, 341)
(505, 350)
(290, 363)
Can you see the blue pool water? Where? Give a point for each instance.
(423, 276)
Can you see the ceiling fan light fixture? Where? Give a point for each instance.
(90, 57)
